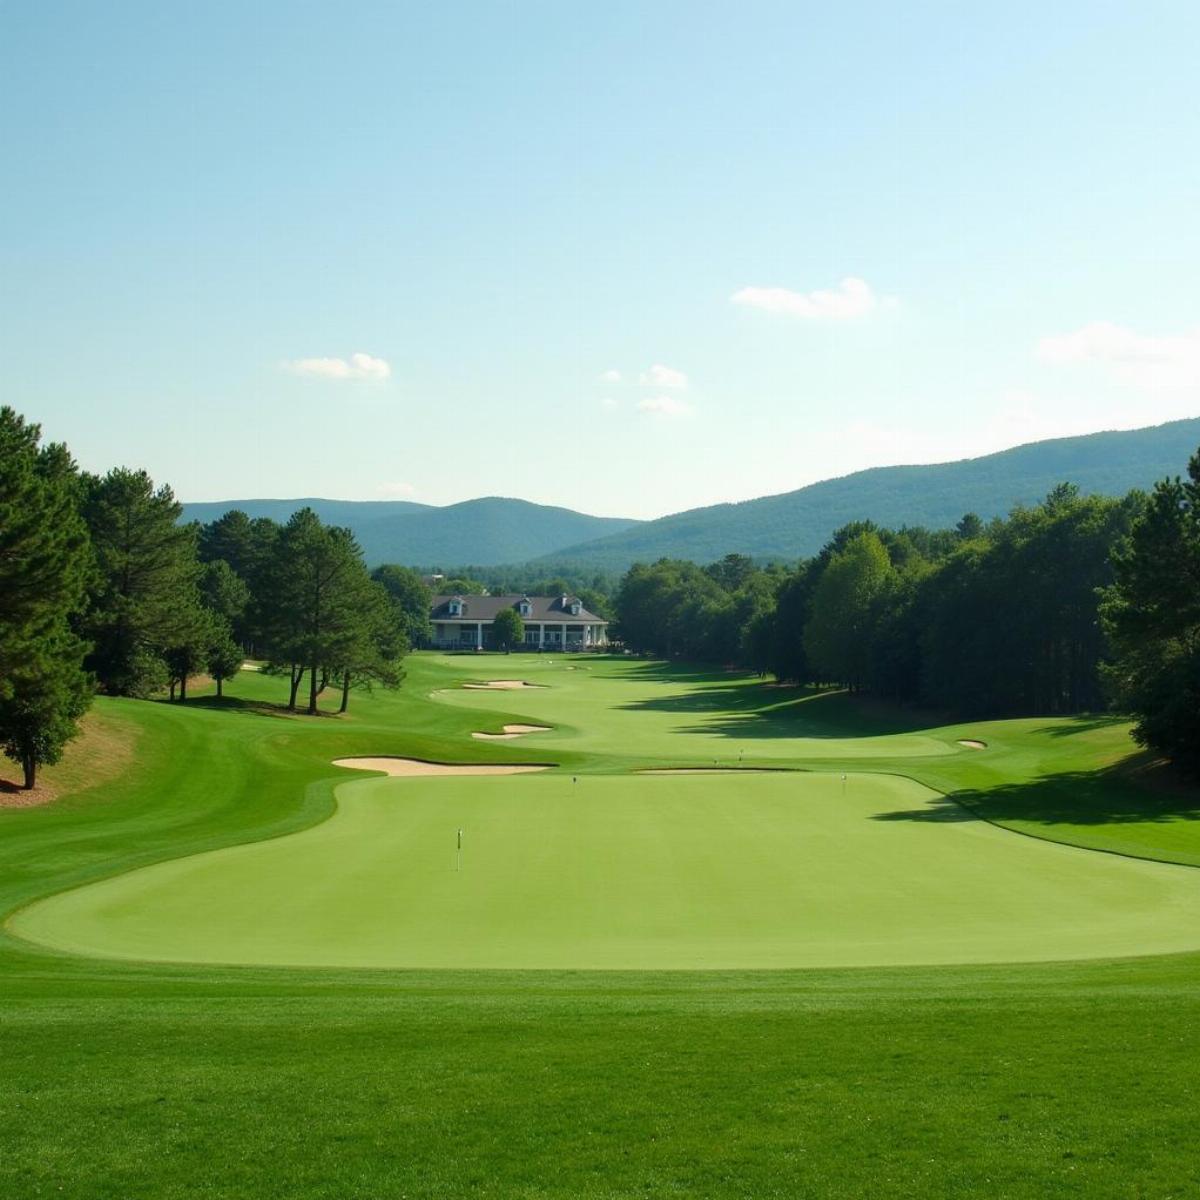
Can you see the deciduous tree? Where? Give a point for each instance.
(1152, 614)
(508, 630)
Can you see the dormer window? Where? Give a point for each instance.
(525, 607)
(456, 607)
(575, 607)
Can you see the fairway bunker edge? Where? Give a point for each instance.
(509, 732)
(416, 768)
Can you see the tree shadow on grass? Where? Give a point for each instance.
(1069, 726)
(1119, 795)
(242, 706)
(767, 711)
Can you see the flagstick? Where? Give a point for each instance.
(458, 859)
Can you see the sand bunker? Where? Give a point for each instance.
(972, 744)
(499, 685)
(412, 767)
(510, 732)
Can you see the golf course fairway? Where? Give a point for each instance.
(774, 869)
(932, 984)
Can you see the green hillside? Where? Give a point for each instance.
(485, 532)
(798, 523)
(494, 530)
(332, 512)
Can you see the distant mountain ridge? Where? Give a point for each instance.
(796, 524)
(494, 531)
(485, 532)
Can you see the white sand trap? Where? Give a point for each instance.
(510, 732)
(972, 744)
(407, 768)
(250, 666)
(500, 685)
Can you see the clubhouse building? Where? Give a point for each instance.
(551, 622)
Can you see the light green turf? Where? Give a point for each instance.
(649, 708)
(767, 870)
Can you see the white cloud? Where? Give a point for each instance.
(610, 376)
(395, 491)
(609, 402)
(851, 298)
(1138, 359)
(665, 406)
(663, 377)
(358, 366)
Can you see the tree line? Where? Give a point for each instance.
(101, 588)
(1073, 605)
(1063, 607)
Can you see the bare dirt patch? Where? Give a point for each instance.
(510, 732)
(972, 744)
(411, 768)
(103, 750)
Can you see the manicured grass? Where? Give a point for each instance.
(658, 712)
(779, 869)
(123, 1079)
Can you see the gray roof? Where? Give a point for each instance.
(485, 608)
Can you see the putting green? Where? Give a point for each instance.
(771, 870)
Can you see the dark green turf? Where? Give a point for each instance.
(120, 1080)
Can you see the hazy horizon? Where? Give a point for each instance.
(589, 512)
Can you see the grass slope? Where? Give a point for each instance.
(140, 1080)
(796, 524)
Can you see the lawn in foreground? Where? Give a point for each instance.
(128, 1081)
(762, 870)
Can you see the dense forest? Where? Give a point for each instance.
(1067, 606)
(796, 524)
(102, 588)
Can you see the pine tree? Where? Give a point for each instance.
(45, 565)
(315, 588)
(146, 599)
(45, 698)
(224, 661)
(374, 643)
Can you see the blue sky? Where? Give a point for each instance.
(592, 255)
